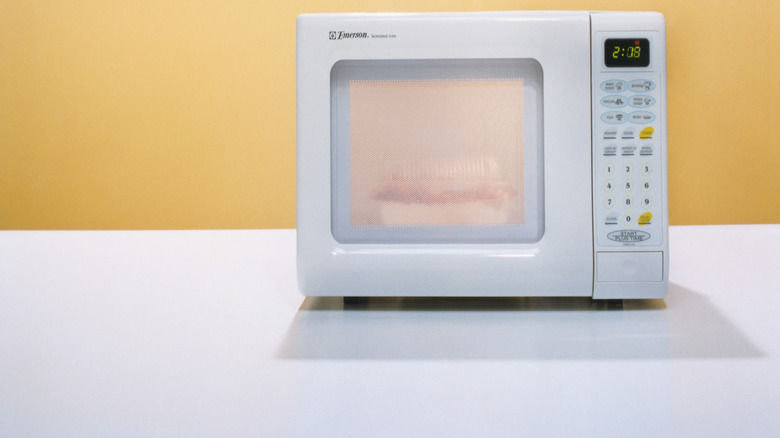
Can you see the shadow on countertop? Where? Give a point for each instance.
(683, 326)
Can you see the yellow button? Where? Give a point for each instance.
(646, 133)
(645, 218)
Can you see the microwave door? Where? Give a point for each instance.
(452, 159)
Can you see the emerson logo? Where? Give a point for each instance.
(341, 35)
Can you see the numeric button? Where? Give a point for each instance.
(627, 169)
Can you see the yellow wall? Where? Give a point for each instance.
(181, 114)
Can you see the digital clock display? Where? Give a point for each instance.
(627, 52)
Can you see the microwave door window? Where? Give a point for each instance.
(436, 153)
(433, 158)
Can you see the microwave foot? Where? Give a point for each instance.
(354, 301)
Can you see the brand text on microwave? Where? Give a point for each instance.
(340, 35)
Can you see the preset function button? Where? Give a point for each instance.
(642, 117)
(610, 150)
(611, 219)
(646, 133)
(641, 101)
(627, 150)
(610, 134)
(646, 150)
(614, 86)
(614, 117)
(613, 101)
(628, 133)
(641, 85)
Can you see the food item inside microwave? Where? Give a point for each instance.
(445, 192)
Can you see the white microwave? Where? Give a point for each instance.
(482, 154)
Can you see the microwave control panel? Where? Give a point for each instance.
(629, 174)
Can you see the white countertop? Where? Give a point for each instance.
(203, 333)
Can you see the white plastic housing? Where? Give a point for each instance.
(499, 202)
